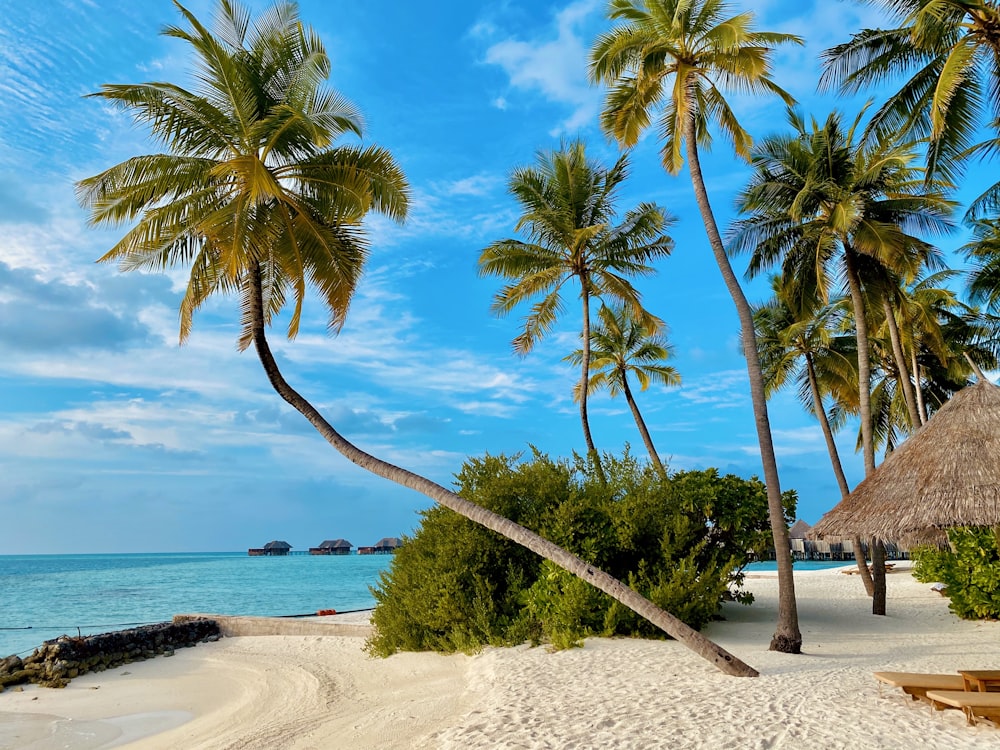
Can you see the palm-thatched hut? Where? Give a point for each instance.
(277, 548)
(947, 474)
(332, 547)
(387, 544)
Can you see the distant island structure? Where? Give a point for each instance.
(384, 546)
(270, 549)
(332, 547)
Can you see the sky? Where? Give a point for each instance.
(115, 438)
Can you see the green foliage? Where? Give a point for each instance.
(930, 563)
(970, 570)
(680, 541)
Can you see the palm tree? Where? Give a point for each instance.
(819, 203)
(952, 49)
(677, 57)
(800, 342)
(620, 345)
(569, 205)
(252, 195)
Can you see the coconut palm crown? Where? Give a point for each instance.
(951, 51)
(680, 57)
(621, 346)
(250, 180)
(569, 205)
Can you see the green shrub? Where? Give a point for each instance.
(682, 542)
(970, 570)
(931, 563)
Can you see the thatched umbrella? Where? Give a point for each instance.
(947, 474)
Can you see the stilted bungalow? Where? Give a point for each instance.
(384, 546)
(332, 547)
(270, 549)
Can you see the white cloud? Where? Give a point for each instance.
(556, 68)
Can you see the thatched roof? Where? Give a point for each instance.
(277, 545)
(947, 474)
(799, 530)
(388, 542)
(336, 544)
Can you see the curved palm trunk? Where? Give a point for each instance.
(641, 424)
(694, 640)
(787, 637)
(865, 409)
(838, 469)
(901, 367)
(592, 453)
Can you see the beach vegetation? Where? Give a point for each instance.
(681, 540)
(674, 62)
(969, 568)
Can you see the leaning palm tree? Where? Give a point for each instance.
(252, 195)
(570, 206)
(621, 345)
(822, 205)
(951, 49)
(677, 57)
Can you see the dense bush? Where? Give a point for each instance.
(682, 542)
(970, 570)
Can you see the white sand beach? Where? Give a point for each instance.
(312, 692)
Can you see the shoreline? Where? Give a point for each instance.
(304, 691)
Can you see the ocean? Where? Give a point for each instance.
(45, 596)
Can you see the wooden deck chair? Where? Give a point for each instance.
(916, 685)
(976, 705)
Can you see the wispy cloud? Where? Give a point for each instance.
(553, 65)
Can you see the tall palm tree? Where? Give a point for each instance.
(800, 342)
(569, 205)
(620, 345)
(820, 203)
(677, 57)
(951, 48)
(252, 195)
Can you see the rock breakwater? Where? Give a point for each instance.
(56, 662)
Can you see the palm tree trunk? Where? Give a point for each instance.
(918, 387)
(641, 424)
(902, 369)
(694, 640)
(824, 423)
(787, 637)
(592, 453)
(838, 469)
(865, 409)
(864, 361)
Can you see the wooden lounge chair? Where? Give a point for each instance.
(976, 705)
(916, 684)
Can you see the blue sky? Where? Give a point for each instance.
(114, 438)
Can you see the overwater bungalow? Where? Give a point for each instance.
(272, 548)
(332, 547)
(384, 546)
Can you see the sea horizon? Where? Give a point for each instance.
(48, 595)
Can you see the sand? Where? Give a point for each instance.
(312, 692)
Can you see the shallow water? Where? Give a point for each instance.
(45, 596)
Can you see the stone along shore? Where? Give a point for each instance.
(56, 662)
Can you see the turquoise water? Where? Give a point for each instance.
(799, 565)
(56, 594)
